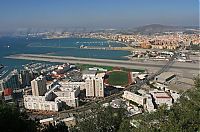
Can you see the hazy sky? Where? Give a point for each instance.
(96, 13)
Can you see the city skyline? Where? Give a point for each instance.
(50, 14)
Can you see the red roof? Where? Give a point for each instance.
(7, 91)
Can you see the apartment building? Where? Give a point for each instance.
(89, 85)
(94, 85)
(40, 103)
(38, 86)
(74, 84)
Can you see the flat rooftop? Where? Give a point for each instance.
(88, 72)
(166, 75)
(161, 95)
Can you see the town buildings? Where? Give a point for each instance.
(88, 73)
(39, 86)
(94, 86)
(53, 100)
(11, 81)
(167, 40)
(25, 78)
(162, 97)
(40, 103)
(99, 87)
(89, 85)
(76, 84)
(68, 94)
(152, 99)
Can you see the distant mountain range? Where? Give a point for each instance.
(147, 29)
(158, 28)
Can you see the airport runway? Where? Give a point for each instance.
(150, 65)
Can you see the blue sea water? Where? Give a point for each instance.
(19, 45)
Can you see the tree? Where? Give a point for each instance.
(11, 120)
(102, 120)
(125, 126)
(60, 127)
(197, 82)
(184, 115)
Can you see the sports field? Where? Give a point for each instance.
(118, 78)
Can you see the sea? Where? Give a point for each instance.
(36, 45)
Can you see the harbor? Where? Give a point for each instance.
(60, 47)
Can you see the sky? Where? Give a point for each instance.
(16, 14)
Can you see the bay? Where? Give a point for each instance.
(23, 45)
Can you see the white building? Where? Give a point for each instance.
(68, 95)
(89, 85)
(98, 69)
(149, 106)
(162, 97)
(53, 99)
(134, 97)
(47, 121)
(142, 76)
(51, 84)
(94, 86)
(87, 74)
(74, 84)
(175, 95)
(39, 86)
(99, 87)
(165, 77)
(64, 93)
(39, 103)
(144, 100)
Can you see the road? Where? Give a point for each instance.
(105, 62)
(132, 88)
(162, 67)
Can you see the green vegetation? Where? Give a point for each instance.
(133, 70)
(101, 120)
(118, 78)
(60, 127)
(195, 47)
(184, 116)
(11, 120)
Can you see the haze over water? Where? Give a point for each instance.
(11, 46)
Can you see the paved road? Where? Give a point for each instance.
(162, 67)
(106, 62)
(132, 88)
